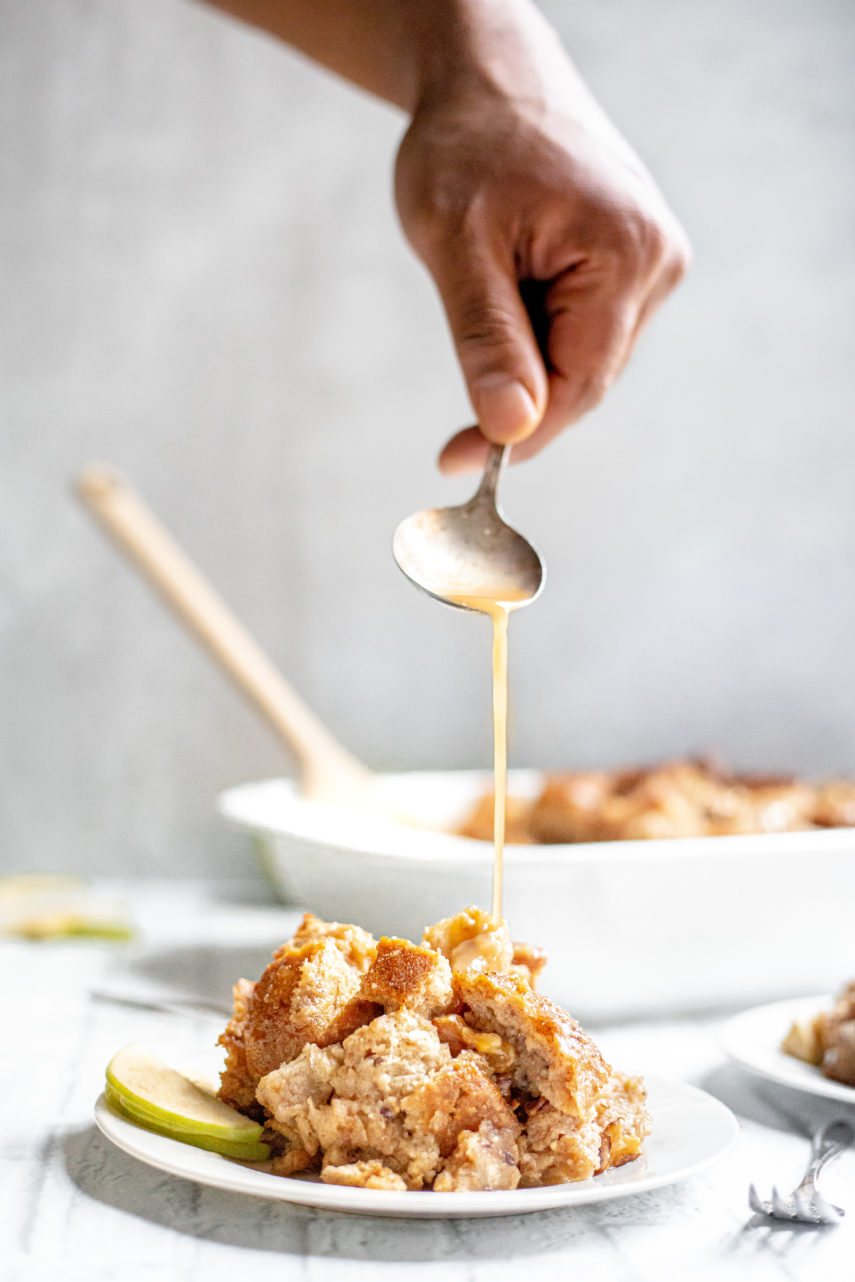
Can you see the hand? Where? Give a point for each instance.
(549, 242)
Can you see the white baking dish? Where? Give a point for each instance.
(630, 927)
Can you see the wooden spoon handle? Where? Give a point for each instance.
(329, 772)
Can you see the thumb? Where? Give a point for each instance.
(495, 342)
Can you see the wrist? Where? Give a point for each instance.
(504, 48)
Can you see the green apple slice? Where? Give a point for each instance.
(146, 1091)
(243, 1150)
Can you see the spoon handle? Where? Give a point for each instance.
(497, 457)
(328, 770)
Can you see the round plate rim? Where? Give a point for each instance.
(211, 1169)
(783, 1069)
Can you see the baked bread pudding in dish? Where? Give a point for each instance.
(828, 1040)
(692, 798)
(392, 1065)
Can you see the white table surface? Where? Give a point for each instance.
(72, 1206)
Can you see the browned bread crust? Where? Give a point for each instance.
(398, 1065)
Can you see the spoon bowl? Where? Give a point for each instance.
(468, 554)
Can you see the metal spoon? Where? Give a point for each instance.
(466, 553)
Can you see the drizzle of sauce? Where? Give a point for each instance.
(499, 608)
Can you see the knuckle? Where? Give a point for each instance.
(483, 317)
(594, 389)
(679, 258)
(667, 252)
(434, 218)
(645, 245)
(652, 239)
(483, 325)
(583, 395)
(435, 200)
(429, 211)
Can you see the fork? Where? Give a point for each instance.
(805, 1204)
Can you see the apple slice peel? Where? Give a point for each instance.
(146, 1091)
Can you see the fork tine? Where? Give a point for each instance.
(804, 1210)
(754, 1200)
(780, 1206)
(805, 1204)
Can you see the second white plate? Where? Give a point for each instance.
(690, 1130)
(753, 1039)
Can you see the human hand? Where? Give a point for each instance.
(549, 242)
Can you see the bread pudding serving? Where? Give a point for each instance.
(392, 1065)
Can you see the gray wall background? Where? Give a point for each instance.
(203, 281)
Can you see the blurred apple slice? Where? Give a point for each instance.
(146, 1091)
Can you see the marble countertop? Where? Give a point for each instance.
(73, 1206)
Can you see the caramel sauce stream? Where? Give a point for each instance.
(499, 609)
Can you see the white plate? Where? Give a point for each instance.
(690, 1130)
(753, 1039)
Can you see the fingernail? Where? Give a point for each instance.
(505, 409)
